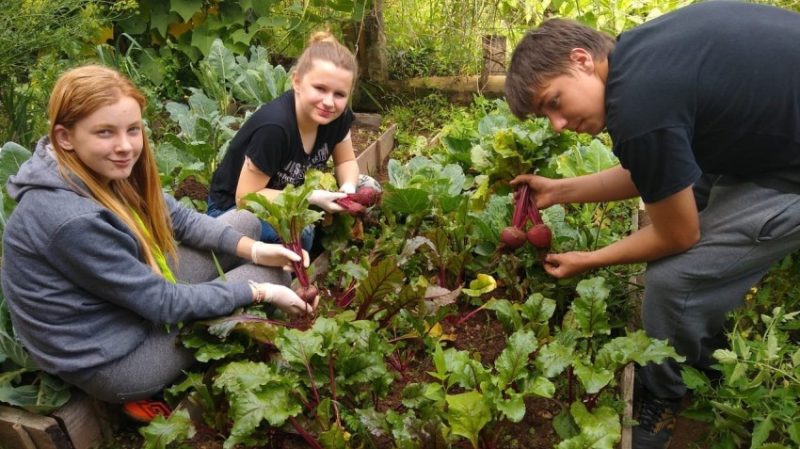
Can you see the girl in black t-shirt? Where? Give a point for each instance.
(299, 130)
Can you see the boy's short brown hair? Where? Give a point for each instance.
(543, 54)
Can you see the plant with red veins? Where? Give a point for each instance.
(289, 214)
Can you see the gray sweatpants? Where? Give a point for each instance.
(745, 228)
(161, 359)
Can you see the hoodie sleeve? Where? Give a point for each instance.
(201, 231)
(98, 254)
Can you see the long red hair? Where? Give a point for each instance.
(78, 93)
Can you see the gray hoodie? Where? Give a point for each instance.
(77, 289)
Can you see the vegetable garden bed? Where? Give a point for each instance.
(429, 334)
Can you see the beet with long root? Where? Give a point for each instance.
(357, 203)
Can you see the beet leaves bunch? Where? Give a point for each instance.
(289, 214)
(538, 234)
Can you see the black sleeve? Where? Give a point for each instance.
(269, 149)
(661, 162)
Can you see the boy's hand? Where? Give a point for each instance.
(541, 189)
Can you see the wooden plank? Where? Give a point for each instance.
(627, 396)
(12, 438)
(386, 144)
(85, 421)
(366, 160)
(19, 429)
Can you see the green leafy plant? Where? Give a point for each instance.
(200, 143)
(289, 214)
(750, 397)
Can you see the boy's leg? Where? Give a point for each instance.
(745, 229)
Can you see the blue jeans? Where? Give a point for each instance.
(268, 233)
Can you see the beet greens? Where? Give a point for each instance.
(289, 214)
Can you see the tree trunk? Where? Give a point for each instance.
(494, 56)
(372, 45)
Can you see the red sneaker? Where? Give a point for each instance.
(146, 410)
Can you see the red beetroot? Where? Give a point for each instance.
(539, 236)
(357, 203)
(525, 209)
(307, 293)
(366, 196)
(512, 237)
(350, 206)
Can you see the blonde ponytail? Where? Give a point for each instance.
(322, 45)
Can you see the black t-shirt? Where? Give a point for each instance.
(271, 139)
(709, 88)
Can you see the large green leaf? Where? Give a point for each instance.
(512, 364)
(297, 346)
(383, 279)
(467, 414)
(599, 429)
(590, 307)
(12, 155)
(592, 377)
(406, 201)
(186, 8)
(634, 347)
(256, 392)
(553, 358)
(161, 432)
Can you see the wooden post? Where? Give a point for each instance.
(494, 56)
(627, 396)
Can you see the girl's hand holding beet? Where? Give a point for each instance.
(276, 255)
(326, 200)
(283, 298)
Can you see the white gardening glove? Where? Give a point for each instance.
(282, 297)
(326, 200)
(347, 188)
(275, 255)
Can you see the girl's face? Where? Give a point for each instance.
(109, 140)
(321, 94)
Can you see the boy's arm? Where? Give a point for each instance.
(612, 184)
(675, 227)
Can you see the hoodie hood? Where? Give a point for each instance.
(39, 172)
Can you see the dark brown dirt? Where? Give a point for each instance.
(192, 188)
(362, 137)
